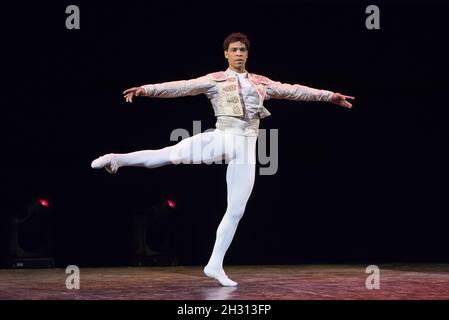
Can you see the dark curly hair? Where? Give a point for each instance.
(234, 37)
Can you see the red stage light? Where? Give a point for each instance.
(44, 202)
(171, 203)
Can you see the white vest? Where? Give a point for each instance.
(228, 102)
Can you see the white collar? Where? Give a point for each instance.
(244, 74)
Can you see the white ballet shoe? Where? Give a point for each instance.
(220, 276)
(107, 161)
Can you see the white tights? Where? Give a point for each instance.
(238, 151)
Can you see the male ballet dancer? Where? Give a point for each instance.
(237, 98)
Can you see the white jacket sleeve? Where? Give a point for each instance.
(181, 88)
(278, 90)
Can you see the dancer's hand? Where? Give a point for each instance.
(341, 100)
(130, 93)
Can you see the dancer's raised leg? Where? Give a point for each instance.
(189, 150)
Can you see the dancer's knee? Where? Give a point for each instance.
(236, 211)
(179, 153)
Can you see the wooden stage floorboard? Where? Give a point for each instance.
(286, 282)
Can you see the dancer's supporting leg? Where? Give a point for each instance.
(240, 177)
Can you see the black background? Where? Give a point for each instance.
(363, 185)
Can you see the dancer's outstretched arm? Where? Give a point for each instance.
(172, 89)
(278, 90)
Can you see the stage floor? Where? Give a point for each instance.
(286, 282)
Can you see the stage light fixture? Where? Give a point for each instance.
(30, 236)
(154, 235)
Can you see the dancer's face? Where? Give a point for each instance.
(237, 54)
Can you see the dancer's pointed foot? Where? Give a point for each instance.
(108, 161)
(220, 276)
